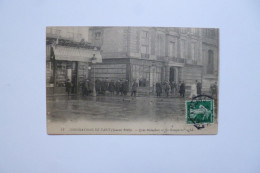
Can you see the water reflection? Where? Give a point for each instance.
(74, 108)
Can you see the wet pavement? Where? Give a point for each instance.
(115, 108)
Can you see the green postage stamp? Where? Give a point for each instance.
(200, 111)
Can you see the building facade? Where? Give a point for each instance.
(157, 54)
(68, 57)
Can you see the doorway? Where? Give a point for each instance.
(172, 74)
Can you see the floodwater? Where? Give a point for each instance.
(115, 108)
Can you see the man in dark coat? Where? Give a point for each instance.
(68, 87)
(134, 88)
(90, 86)
(198, 88)
(182, 89)
(111, 87)
(121, 89)
(117, 87)
(213, 89)
(158, 89)
(125, 87)
(98, 86)
(83, 88)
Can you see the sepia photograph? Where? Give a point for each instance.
(132, 80)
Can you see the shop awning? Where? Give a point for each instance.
(76, 54)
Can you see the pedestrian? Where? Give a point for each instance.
(178, 87)
(182, 89)
(98, 86)
(199, 86)
(213, 89)
(106, 86)
(125, 87)
(121, 89)
(68, 87)
(174, 88)
(111, 87)
(117, 87)
(83, 88)
(134, 88)
(166, 88)
(193, 91)
(158, 89)
(87, 88)
(103, 87)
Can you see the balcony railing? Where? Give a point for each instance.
(191, 61)
(173, 59)
(178, 60)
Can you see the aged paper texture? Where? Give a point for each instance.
(132, 80)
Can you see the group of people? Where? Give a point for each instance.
(121, 87)
(174, 88)
(166, 88)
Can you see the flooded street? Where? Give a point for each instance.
(115, 108)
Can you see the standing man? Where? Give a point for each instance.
(193, 91)
(173, 88)
(134, 88)
(199, 86)
(68, 87)
(83, 88)
(158, 89)
(98, 85)
(166, 88)
(182, 89)
(87, 89)
(213, 89)
(178, 86)
(117, 87)
(121, 89)
(125, 87)
(111, 87)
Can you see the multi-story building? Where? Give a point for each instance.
(68, 57)
(156, 54)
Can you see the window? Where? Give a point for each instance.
(210, 33)
(171, 51)
(70, 35)
(79, 36)
(183, 49)
(161, 45)
(144, 49)
(184, 30)
(97, 35)
(145, 34)
(56, 32)
(193, 51)
(210, 67)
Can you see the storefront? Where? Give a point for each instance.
(67, 63)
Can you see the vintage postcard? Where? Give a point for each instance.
(132, 80)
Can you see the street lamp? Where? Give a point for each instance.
(93, 60)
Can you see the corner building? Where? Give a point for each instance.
(68, 56)
(156, 54)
